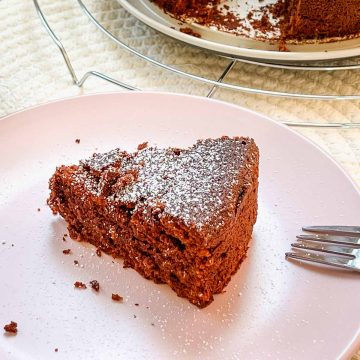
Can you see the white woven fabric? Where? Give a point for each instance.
(32, 70)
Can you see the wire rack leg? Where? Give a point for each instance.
(221, 78)
(67, 59)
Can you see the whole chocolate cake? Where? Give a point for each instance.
(298, 19)
(178, 216)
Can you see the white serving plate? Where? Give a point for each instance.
(272, 308)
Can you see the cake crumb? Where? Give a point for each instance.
(116, 297)
(98, 252)
(38, 209)
(283, 47)
(79, 285)
(56, 350)
(95, 285)
(77, 141)
(76, 262)
(136, 304)
(11, 328)
(142, 146)
(189, 31)
(67, 251)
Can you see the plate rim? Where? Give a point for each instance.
(229, 50)
(7, 117)
(354, 342)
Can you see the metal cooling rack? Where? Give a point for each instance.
(219, 83)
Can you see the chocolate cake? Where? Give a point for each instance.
(183, 217)
(298, 19)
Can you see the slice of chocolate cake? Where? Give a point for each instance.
(178, 216)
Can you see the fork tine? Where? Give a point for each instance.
(335, 230)
(324, 248)
(331, 261)
(332, 239)
(337, 246)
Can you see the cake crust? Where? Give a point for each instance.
(178, 216)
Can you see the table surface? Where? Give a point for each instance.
(32, 71)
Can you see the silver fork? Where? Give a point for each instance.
(337, 246)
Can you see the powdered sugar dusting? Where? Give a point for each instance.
(200, 186)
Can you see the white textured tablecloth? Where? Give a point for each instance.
(32, 70)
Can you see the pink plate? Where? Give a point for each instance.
(271, 309)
